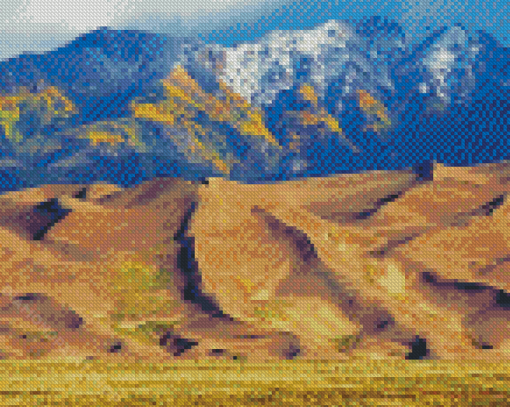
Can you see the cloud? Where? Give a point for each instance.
(39, 25)
(71, 14)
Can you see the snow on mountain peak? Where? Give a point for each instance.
(452, 53)
(281, 59)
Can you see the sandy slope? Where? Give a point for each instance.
(375, 264)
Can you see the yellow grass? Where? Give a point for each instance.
(220, 383)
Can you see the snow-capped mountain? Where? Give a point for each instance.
(321, 56)
(341, 97)
(424, 98)
(455, 91)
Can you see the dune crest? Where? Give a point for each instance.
(379, 264)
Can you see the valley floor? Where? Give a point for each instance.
(290, 383)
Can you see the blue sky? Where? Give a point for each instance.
(40, 25)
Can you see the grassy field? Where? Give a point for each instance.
(292, 383)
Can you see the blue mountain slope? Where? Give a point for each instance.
(101, 71)
(398, 106)
(447, 99)
(455, 86)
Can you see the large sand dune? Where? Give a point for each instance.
(378, 264)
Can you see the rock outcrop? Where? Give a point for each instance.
(379, 264)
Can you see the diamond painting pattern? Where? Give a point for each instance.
(245, 203)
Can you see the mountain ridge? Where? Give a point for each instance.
(274, 109)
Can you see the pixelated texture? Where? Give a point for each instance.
(334, 189)
(343, 96)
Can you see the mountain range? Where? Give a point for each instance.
(126, 106)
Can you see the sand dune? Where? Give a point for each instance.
(379, 264)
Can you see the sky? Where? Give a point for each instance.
(42, 25)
